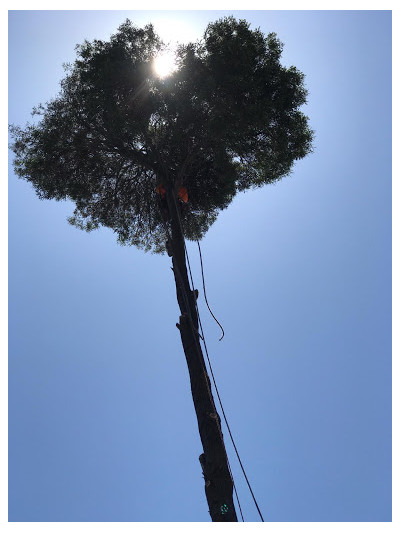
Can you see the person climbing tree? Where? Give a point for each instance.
(161, 191)
(128, 148)
(183, 194)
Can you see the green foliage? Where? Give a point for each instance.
(226, 120)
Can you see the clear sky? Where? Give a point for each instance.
(101, 421)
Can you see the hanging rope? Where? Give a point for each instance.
(205, 295)
(226, 421)
(195, 332)
(202, 337)
(214, 381)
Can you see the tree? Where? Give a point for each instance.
(121, 143)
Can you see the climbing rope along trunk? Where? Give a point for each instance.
(218, 480)
(212, 374)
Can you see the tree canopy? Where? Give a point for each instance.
(226, 120)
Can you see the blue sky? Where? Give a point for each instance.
(101, 421)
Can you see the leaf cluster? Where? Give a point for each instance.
(226, 120)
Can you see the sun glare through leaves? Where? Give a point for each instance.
(164, 64)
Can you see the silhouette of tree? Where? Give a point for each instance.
(122, 143)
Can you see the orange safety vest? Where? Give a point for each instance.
(183, 194)
(160, 189)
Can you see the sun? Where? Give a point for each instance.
(164, 64)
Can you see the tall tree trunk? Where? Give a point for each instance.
(213, 460)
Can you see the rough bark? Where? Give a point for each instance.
(213, 460)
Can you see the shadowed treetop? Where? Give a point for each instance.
(227, 119)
